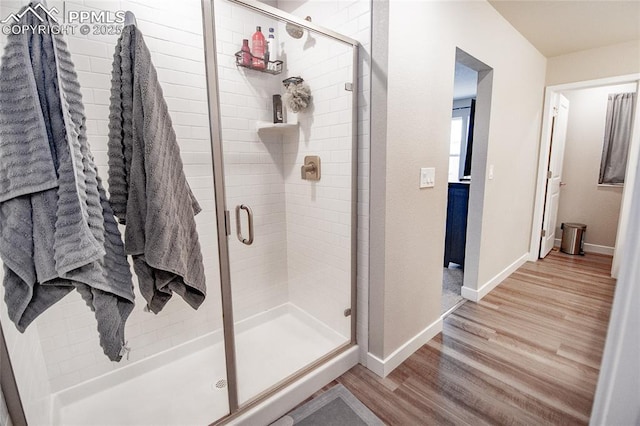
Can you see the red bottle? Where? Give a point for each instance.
(246, 53)
(257, 48)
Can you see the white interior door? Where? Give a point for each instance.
(554, 174)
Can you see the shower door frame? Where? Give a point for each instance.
(222, 212)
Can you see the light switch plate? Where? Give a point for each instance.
(427, 177)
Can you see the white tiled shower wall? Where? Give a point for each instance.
(308, 223)
(174, 36)
(253, 167)
(353, 19)
(319, 212)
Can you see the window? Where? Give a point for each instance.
(454, 150)
(617, 135)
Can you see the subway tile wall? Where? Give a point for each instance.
(352, 18)
(173, 34)
(309, 223)
(319, 212)
(253, 167)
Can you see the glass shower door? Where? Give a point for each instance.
(289, 194)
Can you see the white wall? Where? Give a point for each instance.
(419, 90)
(67, 331)
(353, 19)
(323, 208)
(314, 270)
(253, 166)
(592, 64)
(318, 213)
(582, 199)
(616, 401)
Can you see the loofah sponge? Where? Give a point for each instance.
(297, 96)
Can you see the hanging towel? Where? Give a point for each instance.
(147, 186)
(57, 230)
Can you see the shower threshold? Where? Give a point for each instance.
(187, 384)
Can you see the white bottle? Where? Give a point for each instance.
(273, 45)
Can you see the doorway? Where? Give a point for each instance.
(467, 179)
(606, 212)
(465, 88)
(582, 198)
(559, 125)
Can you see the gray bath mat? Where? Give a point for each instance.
(335, 407)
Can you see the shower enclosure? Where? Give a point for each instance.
(290, 239)
(278, 244)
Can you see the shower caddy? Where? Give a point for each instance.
(273, 67)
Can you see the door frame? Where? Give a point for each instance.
(479, 172)
(543, 163)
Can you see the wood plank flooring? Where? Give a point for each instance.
(528, 353)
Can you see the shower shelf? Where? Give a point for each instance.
(266, 125)
(273, 67)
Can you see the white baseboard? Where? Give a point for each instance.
(591, 248)
(477, 295)
(383, 367)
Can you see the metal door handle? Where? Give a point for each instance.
(247, 241)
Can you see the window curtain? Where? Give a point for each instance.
(617, 136)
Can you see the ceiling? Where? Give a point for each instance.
(559, 27)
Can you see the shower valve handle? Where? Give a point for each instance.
(307, 168)
(310, 170)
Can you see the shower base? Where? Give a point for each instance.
(187, 385)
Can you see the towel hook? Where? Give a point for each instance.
(130, 19)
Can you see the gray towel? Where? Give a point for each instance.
(57, 230)
(147, 186)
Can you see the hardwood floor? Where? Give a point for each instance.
(528, 353)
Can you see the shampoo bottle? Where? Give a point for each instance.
(258, 48)
(246, 53)
(273, 44)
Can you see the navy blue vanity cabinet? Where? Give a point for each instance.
(456, 234)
